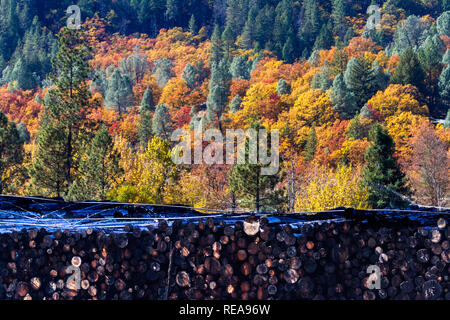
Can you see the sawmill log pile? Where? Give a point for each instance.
(211, 260)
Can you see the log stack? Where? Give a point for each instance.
(214, 260)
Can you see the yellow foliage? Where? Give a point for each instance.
(311, 108)
(151, 175)
(396, 99)
(261, 103)
(401, 128)
(328, 189)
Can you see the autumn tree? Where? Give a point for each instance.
(429, 169)
(152, 178)
(327, 189)
(382, 174)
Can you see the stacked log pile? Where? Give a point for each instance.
(210, 260)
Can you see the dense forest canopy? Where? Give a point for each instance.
(362, 108)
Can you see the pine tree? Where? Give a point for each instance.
(239, 68)
(248, 34)
(49, 165)
(343, 99)
(134, 66)
(350, 34)
(254, 190)
(443, 24)
(171, 9)
(237, 11)
(235, 104)
(193, 25)
(311, 145)
(410, 34)
(65, 115)
(363, 79)
(11, 152)
(382, 173)
(189, 75)
(99, 170)
(146, 116)
(409, 70)
(325, 38)
(447, 120)
(430, 55)
(338, 15)
(163, 70)
(216, 49)
(228, 41)
(288, 51)
(161, 122)
(118, 96)
(322, 80)
(219, 87)
(283, 31)
(355, 129)
(444, 85)
(283, 87)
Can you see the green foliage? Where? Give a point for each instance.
(146, 115)
(217, 47)
(283, 87)
(311, 145)
(363, 79)
(189, 75)
(254, 190)
(409, 70)
(219, 87)
(99, 169)
(64, 123)
(410, 33)
(382, 173)
(161, 122)
(338, 15)
(163, 71)
(343, 99)
(447, 120)
(239, 68)
(193, 25)
(118, 95)
(235, 104)
(134, 66)
(355, 129)
(444, 85)
(11, 152)
(31, 60)
(443, 24)
(322, 80)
